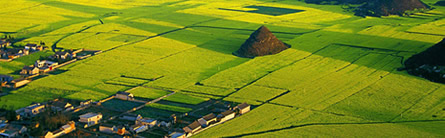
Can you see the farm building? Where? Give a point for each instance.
(193, 127)
(29, 70)
(65, 129)
(146, 121)
(131, 117)
(63, 56)
(61, 106)
(18, 83)
(6, 78)
(124, 95)
(227, 115)
(45, 65)
(243, 108)
(176, 135)
(4, 43)
(108, 128)
(139, 128)
(33, 47)
(34, 109)
(11, 130)
(86, 102)
(207, 120)
(90, 118)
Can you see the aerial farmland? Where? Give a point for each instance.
(222, 68)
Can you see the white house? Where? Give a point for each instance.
(90, 118)
(227, 115)
(206, 120)
(146, 121)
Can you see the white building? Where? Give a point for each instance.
(90, 118)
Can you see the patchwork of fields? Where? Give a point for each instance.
(339, 78)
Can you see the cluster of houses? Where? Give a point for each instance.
(210, 119)
(13, 53)
(11, 130)
(27, 113)
(9, 81)
(127, 124)
(140, 125)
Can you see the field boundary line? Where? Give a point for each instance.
(417, 102)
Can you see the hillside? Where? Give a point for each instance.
(390, 7)
(429, 64)
(260, 43)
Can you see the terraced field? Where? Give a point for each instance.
(339, 78)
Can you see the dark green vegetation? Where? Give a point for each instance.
(274, 11)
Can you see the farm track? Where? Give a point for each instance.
(330, 124)
(54, 46)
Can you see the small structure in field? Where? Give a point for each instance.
(207, 120)
(193, 127)
(243, 108)
(227, 115)
(124, 95)
(90, 119)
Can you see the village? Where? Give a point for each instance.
(69, 118)
(40, 67)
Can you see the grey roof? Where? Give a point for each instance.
(123, 93)
(107, 125)
(243, 105)
(194, 125)
(89, 115)
(209, 117)
(228, 112)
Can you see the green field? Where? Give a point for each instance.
(339, 78)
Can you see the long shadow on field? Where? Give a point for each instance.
(226, 36)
